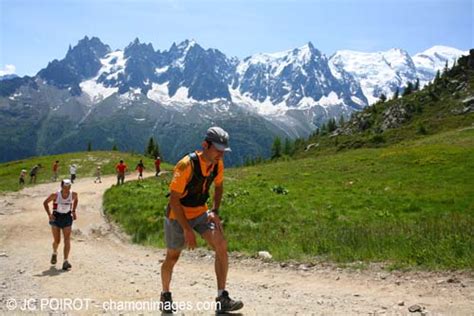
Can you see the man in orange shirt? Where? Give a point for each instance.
(187, 211)
(121, 167)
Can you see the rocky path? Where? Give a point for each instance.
(111, 275)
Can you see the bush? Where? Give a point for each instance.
(378, 139)
(422, 130)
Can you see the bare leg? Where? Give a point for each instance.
(67, 241)
(216, 240)
(56, 238)
(172, 256)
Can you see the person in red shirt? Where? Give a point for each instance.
(121, 167)
(140, 167)
(55, 170)
(157, 166)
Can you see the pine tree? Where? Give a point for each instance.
(341, 120)
(247, 161)
(324, 129)
(373, 108)
(446, 68)
(396, 94)
(332, 125)
(150, 147)
(287, 150)
(383, 98)
(437, 78)
(408, 89)
(89, 146)
(299, 142)
(114, 147)
(276, 148)
(417, 85)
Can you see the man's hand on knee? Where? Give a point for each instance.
(190, 239)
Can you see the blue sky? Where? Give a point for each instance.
(34, 32)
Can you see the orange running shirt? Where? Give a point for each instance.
(183, 173)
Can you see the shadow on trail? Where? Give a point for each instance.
(52, 271)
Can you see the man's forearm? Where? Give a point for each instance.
(179, 214)
(46, 208)
(46, 204)
(218, 191)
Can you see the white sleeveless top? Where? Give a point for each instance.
(63, 205)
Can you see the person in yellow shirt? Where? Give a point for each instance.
(187, 212)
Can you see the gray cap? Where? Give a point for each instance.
(219, 138)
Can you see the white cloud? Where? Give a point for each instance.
(8, 70)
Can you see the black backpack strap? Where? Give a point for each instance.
(193, 157)
(196, 165)
(216, 170)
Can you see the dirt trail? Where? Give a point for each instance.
(107, 270)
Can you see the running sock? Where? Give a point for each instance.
(219, 292)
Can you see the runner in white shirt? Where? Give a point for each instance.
(72, 172)
(64, 212)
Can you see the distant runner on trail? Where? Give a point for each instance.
(72, 172)
(64, 212)
(21, 180)
(55, 171)
(121, 167)
(34, 173)
(187, 211)
(98, 178)
(157, 166)
(140, 167)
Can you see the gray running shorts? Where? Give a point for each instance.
(174, 234)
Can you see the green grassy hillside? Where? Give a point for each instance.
(86, 165)
(410, 204)
(445, 104)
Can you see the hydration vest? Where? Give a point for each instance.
(198, 188)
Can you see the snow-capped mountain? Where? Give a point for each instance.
(431, 60)
(7, 77)
(81, 63)
(185, 73)
(296, 79)
(383, 72)
(272, 85)
(131, 94)
(7, 72)
(378, 73)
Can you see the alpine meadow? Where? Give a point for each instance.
(237, 157)
(393, 184)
